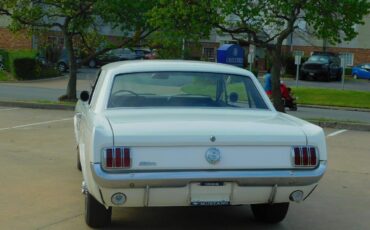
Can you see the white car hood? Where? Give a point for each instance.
(195, 127)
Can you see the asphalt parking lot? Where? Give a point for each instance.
(40, 185)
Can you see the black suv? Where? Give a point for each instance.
(323, 66)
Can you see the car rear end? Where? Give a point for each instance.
(196, 138)
(217, 165)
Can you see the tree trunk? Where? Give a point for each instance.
(275, 79)
(72, 82)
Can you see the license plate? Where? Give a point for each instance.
(210, 193)
(311, 74)
(210, 203)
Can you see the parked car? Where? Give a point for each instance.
(115, 55)
(361, 71)
(63, 62)
(185, 133)
(323, 66)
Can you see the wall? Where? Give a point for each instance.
(14, 41)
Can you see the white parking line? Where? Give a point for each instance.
(35, 124)
(336, 133)
(8, 109)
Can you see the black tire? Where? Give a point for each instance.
(270, 213)
(62, 67)
(327, 77)
(355, 76)
(302, 77)
(96, 215)
(78, 161)
(92, 63)
(293, 107)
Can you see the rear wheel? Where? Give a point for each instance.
(270, 213)
(302, 77)
(62, 67)
(92, 63)
(96, 215)
(78, 160)
(355, 76)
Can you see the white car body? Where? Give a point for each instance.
(169, 166)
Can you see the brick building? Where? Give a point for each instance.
(353, 52)
(13, 41)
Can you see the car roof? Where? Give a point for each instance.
(173, 65)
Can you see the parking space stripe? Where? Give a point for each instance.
(8, 109)
(336, 133)
(35, 124)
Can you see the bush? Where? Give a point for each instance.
(31, 69)
(26, 68)
(348, 71)
(18, 54)
(48, 72)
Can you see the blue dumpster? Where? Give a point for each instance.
(231, 54)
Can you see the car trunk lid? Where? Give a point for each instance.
(180, 138)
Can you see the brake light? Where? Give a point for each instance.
(304, 156)
(116, 158)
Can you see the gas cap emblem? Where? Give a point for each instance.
(213, 155)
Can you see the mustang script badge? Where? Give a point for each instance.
(213, 155)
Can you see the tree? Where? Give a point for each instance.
(264, 23)
(80, 20)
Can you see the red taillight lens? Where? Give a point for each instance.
(313, 157)
(297, 156)
(109, 158)
(118, 157)
(304, 156)
(126, 158)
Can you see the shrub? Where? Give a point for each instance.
(48, 72)
(18, 54)
(348, 71)
(25, 68)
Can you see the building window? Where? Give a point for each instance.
(209, 54)
(347, 58)
(56, 42)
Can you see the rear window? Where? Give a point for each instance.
(317, 58)
(184, 89)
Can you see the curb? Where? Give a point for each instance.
(334, 108)
(342, 125)
(36, 105)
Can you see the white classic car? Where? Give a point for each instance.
(182, 133)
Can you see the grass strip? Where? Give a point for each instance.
(332, 97)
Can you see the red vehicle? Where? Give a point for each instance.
(287, 96)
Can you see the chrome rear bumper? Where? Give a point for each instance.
(288, 177)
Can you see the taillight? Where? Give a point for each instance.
(116, 158)
(305, 156)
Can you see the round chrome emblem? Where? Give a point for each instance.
(213, 138)
(213, 155)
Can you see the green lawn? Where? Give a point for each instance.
(332, 97)
(4, 76)
(307, 96)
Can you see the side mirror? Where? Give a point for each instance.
(84, 96)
